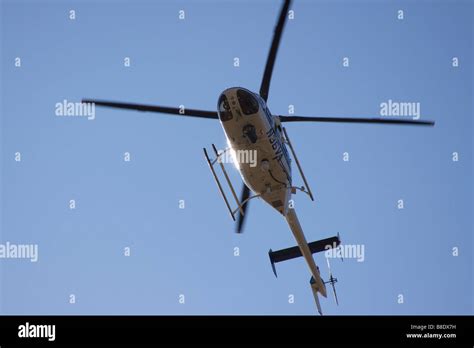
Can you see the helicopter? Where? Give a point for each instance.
(249, 126)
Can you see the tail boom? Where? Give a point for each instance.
(300, 238)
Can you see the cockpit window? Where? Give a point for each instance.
(224, 109)
(248, 103)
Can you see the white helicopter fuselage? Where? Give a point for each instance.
(257, 146)
(251, 128)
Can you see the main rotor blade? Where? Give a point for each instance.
(267, 75)
(153, 108)
(354, 120)
(243, 196)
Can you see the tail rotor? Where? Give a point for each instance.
(332, 280)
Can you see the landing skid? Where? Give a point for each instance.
(306, 190)
(211, 163)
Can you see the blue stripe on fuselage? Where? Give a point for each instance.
(280, 151)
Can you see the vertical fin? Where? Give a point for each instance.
(273, 262)
(315, 293)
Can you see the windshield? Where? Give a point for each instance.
(224, 109)
(248, 103)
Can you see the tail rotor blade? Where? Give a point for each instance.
(333, 281)
(335, 294)
(329, 266)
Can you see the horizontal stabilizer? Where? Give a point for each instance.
(294, 252)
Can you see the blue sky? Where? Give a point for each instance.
(191, 251)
